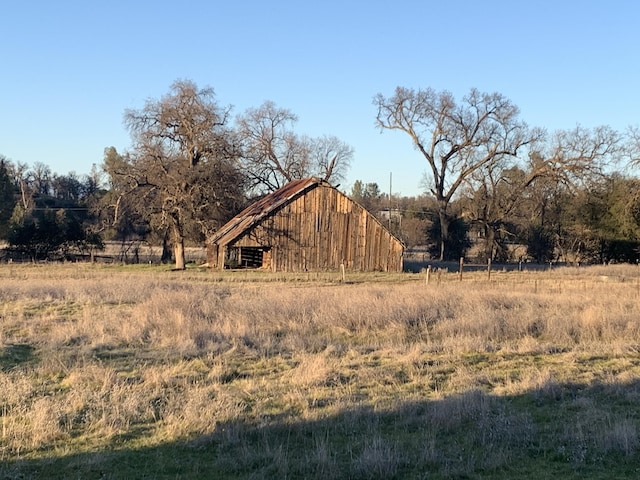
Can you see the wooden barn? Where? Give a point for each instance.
(306, 225)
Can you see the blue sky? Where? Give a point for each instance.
(69, 69)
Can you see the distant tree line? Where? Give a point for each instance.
(43, 214)
(494, 187)
(595, 223)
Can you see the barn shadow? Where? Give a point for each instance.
(554, 431)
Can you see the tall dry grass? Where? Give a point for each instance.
(102, 358)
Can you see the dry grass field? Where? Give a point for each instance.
(139, 372)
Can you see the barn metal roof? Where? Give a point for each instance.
(260, 209)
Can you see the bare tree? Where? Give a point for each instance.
(632, 146)
(183, 164)
(330, 157)
(273, 154)
(571, 158)
(23, 180)
(456, 140)
(578, 155)
(42, 179)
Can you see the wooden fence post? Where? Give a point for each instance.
(461, 267)
(428, 273)
(489, 269)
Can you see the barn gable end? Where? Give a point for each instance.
(306, 225)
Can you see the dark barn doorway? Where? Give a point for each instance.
(248, 257)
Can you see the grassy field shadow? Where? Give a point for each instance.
(556, 431)
(15, 355)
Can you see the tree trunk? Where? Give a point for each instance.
(489, 242)
(444, 232)
(178, 250)
(166, 251)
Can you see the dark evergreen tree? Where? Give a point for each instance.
(7, 198)
(457, 242)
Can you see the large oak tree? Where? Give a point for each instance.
(183, 165)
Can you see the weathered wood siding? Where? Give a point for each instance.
(320, 229)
